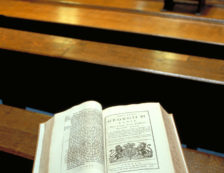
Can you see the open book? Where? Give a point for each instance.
(138, 138)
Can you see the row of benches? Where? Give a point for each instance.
(53, 68)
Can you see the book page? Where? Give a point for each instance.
(174, 143)
(37, 164)
(77, 140)
(43, 147)
(135, 140)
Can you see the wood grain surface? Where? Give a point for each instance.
(199, 162)
(19, 131)
(152, 61)
(212, 10)
(115, 20)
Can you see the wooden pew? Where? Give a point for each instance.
(184, 8)
(183, 29)
(53, 73)
(45, 58)
(19, 130)
(152, 61)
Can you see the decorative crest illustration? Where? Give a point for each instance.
(130, 152)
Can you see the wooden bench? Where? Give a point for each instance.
(115, 20)
(152, 61)
(152, 7)
(19, 131)
(42, 61)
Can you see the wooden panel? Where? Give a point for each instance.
(116, 20)
(203, 163)
(139, 5)
(19, 130)
(114, 55)
(34, 43)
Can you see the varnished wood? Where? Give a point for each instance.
(199, 162)
(211, 10)
(19, 131)
(113, 55)
(116, 20)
